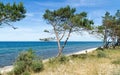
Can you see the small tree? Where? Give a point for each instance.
(117, 28)
(110, 28)
(64, 21)
(11, 13)
(107, 21)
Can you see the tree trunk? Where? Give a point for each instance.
(67, 38)
(60, 52)
(105, 39)
(58, 41)
(118, 42)
(113, 41)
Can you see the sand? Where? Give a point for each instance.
(6, 69)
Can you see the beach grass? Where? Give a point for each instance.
(85, 64)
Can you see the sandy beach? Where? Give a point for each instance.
(83, 51)
(6, 69)
(9, 68)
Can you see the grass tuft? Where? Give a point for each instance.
(101, 54)
(117, 62)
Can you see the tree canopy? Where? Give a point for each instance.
(11, 13)
(110, 28)
(65, 21)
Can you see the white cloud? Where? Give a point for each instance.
(86, 3)
(29, 14)
(50, 4)
(74, 3)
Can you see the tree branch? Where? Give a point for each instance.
(66, 39)
(62, 35)
(10, 25)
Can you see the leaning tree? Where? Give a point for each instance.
(65, 21)
(11, 13)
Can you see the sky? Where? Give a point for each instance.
(32, 27)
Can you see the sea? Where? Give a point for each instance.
(9, 50)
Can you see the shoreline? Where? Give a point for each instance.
(9, 68)
(83, 51)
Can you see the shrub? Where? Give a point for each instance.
(26, 62)
(10, 73)
(101, 54)
(26, 57)
(117, 61)
(26, 73)
(63, 59)
(100, 48)
(37, 66)
(52, 60)
(83, 56)
(19, 68)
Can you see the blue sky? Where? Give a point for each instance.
(31, 28)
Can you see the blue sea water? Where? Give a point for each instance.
(10, 50)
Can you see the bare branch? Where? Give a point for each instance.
(63, 35)
(11, 25)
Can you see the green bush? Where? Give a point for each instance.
(37, 66)
(19, 68)
(82, 56)
(52, 60)
(63, 59)
(26, 57)
(26, 73)
(60, 59)
(101, 54)
(27, 62)
(117, 61)
(10, 73)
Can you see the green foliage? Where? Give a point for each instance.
(101, 54)
(117, 61)
(100, 48)
(82, 56)
(11, 13)
(37, 66)
(65, 21)
(26, 73)
(27, 62)
(19, 68)
(26, 57)
(110, 28)
(63, 59)
(52, 60)
(10, 73)
(66, 18)
(100, 29)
